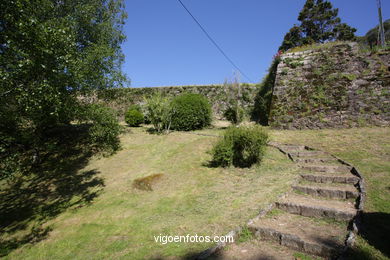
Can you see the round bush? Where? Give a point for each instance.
(134, 117)
(241, 146)
(190, 112)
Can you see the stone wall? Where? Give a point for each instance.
(121, 99)
(336, 85)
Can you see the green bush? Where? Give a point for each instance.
(134, 107)
(234, 114)
(134, 117)
(104, 127)
(240, 146)
(190, 112)
(158, 112)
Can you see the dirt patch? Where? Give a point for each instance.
(146, 183)
(255, 250)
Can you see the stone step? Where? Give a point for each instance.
(301, 233)
(255, 249)
(291, 148)
(315, 207)
(330, 178)
(327, 168)
(340, 192)
(315, 160)
(307, 153)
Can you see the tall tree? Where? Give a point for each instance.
(319, 23)
(50, 51)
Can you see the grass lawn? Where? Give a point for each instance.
(368, 149)
(120, 222)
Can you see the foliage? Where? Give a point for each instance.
(234, 115)
(263, 99)
(51, 51)
(371, 36)
(190, 112)
(234, 111)
(134, 117)
(240, 146)
(104, 127)
(158, 112)
(319, 24)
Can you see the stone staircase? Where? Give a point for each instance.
(316, 218)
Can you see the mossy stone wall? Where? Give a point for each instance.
(336, 86)
(121, 99)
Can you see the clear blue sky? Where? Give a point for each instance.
(165, 47)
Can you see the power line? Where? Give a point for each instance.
(216, 45)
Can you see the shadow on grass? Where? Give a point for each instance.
(376, 232)
(51, 187)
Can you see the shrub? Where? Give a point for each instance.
(158, 112)
(134, 117)
(190, 112)
(104, 129)
(135, 107)
(240, 146)
(234, 114)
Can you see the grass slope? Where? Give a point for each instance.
(190, 198)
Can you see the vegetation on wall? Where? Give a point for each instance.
(336, 84)
(263, 99)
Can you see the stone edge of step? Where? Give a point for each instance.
(355, 222)
(293, 241)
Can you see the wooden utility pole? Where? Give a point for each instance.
(381, 29)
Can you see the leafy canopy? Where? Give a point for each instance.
(319, 24)
(50, 53)
(53, 50)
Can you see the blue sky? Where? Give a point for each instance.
(165, 47)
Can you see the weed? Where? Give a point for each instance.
(244, 235)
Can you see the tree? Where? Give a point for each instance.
(319, 24)
(51, 51)
(292, 39)
(371, 37)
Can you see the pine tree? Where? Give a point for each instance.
(319, 23)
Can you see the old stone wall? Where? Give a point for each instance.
(218, 96)
(336, 85)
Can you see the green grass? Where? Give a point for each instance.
(315, 46)
(302, 256)
(105, 217)
(368, 149)
(189, 198)
(244, 235)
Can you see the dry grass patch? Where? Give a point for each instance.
(146, 183)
